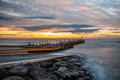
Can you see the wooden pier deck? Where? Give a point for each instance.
(62, 45)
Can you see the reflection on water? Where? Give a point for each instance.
(102, 55)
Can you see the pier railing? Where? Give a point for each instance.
(46, 46)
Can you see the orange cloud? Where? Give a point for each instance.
(15, 32)
(11, 28)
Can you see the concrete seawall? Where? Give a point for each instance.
(45, 47)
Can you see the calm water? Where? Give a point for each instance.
(103, 55)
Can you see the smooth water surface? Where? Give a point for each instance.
(103, 55)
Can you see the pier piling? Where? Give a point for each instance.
(47, 46)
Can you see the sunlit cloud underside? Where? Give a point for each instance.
(14, 32)
(59, 18)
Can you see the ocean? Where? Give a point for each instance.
(102, 55)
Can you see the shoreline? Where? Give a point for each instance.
(69, 67)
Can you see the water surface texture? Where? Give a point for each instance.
(102, 55)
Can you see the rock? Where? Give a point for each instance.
(34, 66)
(73, 67)
(75, 73)
(82, 73)
(66, 58)
(63, 73)
(87, 78)
(89, 74)
(67, 68)
(21, 70)
(75, 60)
(46, 64)
(78, 63)
(61, 64)
(51, 69)
(13, 78)
(68, 75)
(27, 78)
(3, 72)
(54, 67)
(43, 75)
(62, 69)
(80, 79)
(83, 68)
(60, 74)
(38, 73)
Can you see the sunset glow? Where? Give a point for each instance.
(59, 19)
(14, 32)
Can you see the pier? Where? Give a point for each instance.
(46, 46)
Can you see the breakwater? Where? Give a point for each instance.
(69, 67)
(46, 46)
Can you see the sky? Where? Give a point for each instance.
(59, 18)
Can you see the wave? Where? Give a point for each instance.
(100, 69)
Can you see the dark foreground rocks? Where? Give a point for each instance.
(66, 68)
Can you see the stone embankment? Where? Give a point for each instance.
(66, 68)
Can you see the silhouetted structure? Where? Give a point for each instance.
(47, 46)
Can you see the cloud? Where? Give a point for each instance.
(41, 17)
(55, 14)
(63, 27)
(56, 30)
(11, 28)
(5, 18)
(15, 32)
(77, 26)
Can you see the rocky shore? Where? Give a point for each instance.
(67, 68)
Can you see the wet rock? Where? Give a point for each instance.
(80, 79)
(34, 66)
(39, 73)
(21, 70)
(27, 78)
(63, 72)
(43, 75)
(83, 68)
(3, 72)
(13, 78)
(46, 64)
(62, 69)
(60, 74)
(82, 73)
(68, 74)
(54, 67)
(61, 64)
(66, 58)
(90, 75)
(75, 73)
(78, 63)
(67, 68)
(73, 60)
